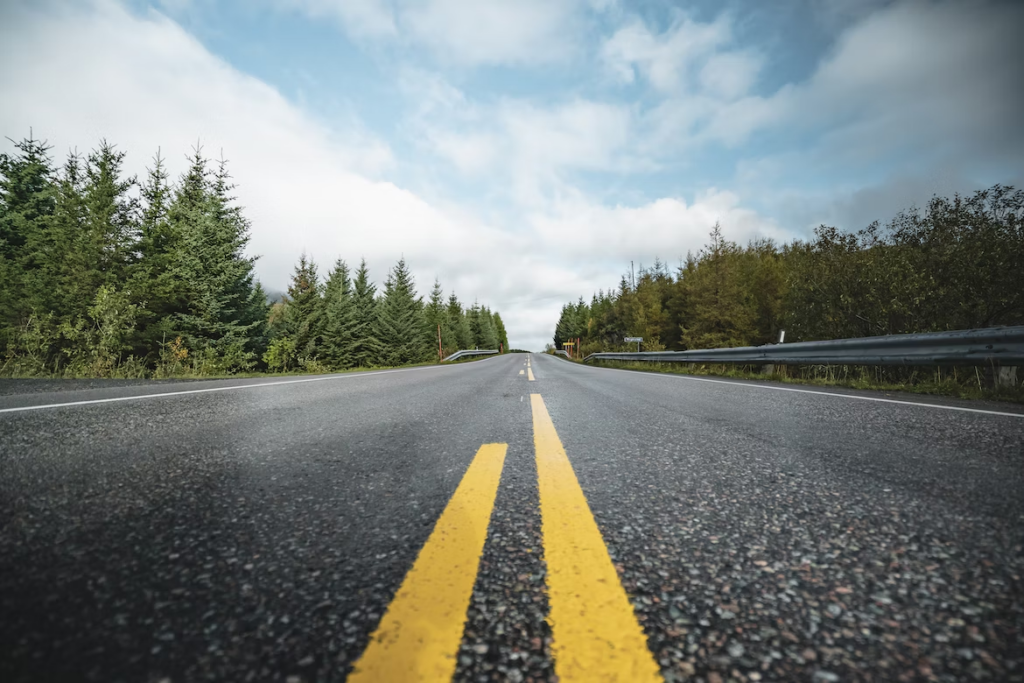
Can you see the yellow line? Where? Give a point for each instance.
(529, 373)
(520, 372)
(418, 637)
(596, 636)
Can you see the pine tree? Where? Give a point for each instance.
(482, 327)
(62, 284)
(340, 324)
(27, 201)
(499, 326)
(720, 316)
(219, 310)
(305, 311)
(153, 281)
(111, 217)
(243, 306)
(366, 346)
(438, 328)
(488, 331)
(459, 323)
(400, 323)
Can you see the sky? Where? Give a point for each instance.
(525, 152)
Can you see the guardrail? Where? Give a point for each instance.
(989, 346)
(462, 354)
(562, 352)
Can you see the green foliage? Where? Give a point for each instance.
(955, 265)
(304, 315)
(438, 328)
(367, 347)
(103, 276)
(279, 354)
(400, 320)
(341, 331)
(459, 323)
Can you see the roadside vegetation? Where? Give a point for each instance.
(954, 265)
(103, 275)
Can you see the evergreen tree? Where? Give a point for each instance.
(482, 327)
(63, 282)
(305, 311)
(153, 281)
(462, 335)
(499, 326)
(340, 323)
(721, 315)
(489, 332)
(400, 322)
(436, 319)
(220, 312)
(27, 201)
(366, 346)
(111, 217)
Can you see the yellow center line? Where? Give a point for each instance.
(418, 637)
(595, 633)
(529, 373)
(520, 372)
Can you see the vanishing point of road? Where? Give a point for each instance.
(520, 518)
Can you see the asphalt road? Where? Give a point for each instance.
(260, 531)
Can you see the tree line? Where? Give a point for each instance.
(102, 274)
(958, 264)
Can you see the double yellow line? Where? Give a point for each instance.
(595, 633)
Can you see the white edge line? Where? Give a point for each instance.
(812, 391)
(348, 375)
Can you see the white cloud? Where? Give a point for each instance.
(665, 60)
(730, 74)
(143, 83)
(667, 227)
(460, 32)
(363, 18)
(493, 32)
(529, 149)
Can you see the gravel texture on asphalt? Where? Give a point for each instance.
(259, 533)
(788, 536)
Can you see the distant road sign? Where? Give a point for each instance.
(633, 339)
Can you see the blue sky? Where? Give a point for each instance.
(524, 152)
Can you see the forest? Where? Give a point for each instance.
(956, 264)
(104, 275)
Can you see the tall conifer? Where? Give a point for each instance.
(366, 346)
(340, 325)
(400, 323)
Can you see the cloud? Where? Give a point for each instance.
(493, 32)
(666, 60)
(667, 227)
(363, 18)
(144, 83)
(913, 74)
(458, 32)
(527, 148)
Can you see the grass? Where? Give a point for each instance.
(7, 373)
(959, 382)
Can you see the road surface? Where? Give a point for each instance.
(499, 520)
